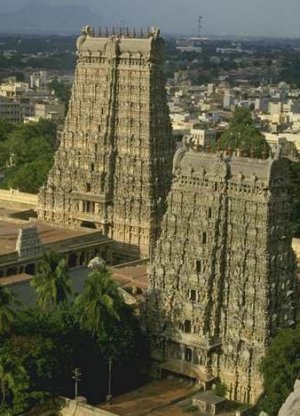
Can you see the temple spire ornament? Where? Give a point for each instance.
(112, 171)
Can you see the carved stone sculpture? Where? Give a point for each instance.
(28, 242)
(113, 168)
(223, 275)
(291, 407)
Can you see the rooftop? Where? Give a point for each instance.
(11, 220)
(209, 397)
(9, 230)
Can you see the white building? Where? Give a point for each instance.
(228, 99)
(40, 79)
(203, 137)
(13, 89)
(262, 104)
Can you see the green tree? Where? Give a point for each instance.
(52, 284)
(280, 368)
(243, 135)
(30, 370)
(13, 381)
(61, 90)
(30, 176)
(32, 146)
(99, 302)
(295, 191)
(6, 127)
(7, 312)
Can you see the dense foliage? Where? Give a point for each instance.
(7, 312)
(295, 194)
(280, 368)
(38, 356)
(243, 135)
(61, 91)
(53, 282)
(291, 71)
(26, 154)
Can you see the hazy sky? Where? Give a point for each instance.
(254, 17)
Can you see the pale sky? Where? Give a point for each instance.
(253, 17)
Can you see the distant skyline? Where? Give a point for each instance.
(220, 17)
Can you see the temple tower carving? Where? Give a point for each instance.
(112, 170)
(223, 277)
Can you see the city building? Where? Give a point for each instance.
(203, 137)
(229, 99)
(10, 110)
(13, 89)
(39, 79)
(45, 109)
(262, 104)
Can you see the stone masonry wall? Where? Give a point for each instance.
(112, 170)
(223, 277)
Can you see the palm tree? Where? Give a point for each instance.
(53, 283)
(99, 302)
(7, 312)
(12, 377)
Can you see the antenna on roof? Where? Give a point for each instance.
(120, 28)
(199, 26)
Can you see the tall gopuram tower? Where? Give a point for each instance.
(113, 168)
(223, 279)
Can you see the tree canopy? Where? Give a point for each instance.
(44, 346)
(7, 312)
(61, 90)
(280, 368)
(100, 301)
(52, 283)
(26, 154)
(243, 135)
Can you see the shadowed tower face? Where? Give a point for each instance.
(223, 277)
(112, 170)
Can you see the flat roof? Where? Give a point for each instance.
(17, 278)
(131, 275)
(48, 234)
(209, 397)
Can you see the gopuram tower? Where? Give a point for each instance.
(112, 170)
(223, 277)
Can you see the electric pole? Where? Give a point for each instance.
(109, 396)
(77, 378)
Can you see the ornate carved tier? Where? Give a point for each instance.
(223, 277)
(112, 170)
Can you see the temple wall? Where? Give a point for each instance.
(112, 171)
(14, 196)
(223, 277)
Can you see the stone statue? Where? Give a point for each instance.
(291, 407)
(85, 32)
